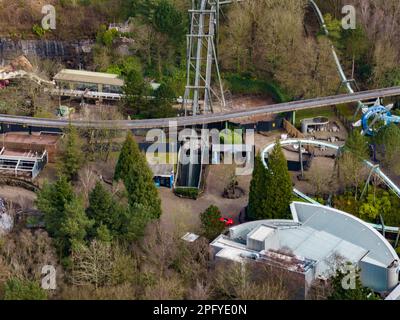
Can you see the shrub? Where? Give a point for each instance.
(191, 193)
(38, 30)
(210, 222)
(16, 289)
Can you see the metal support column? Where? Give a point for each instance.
(199, 69)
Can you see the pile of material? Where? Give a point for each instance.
(20, 63)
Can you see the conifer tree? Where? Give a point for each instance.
(22, 289)
(71, 157)
(64, 214)
(358, 292)
(133, 170)
(104, 211)
(279, 187)
(258, 190)
(211, 224)
(52, 200)
(74, 226)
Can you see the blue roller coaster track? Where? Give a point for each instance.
(377, 113)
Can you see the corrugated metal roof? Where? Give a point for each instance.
(317, 245)
(261, 233)
(82, 76)
(348, 228)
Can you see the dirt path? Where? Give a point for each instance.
(186, 212)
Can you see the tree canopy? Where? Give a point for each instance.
(271, 188)
(64, 214)
(258, 190)
(279, 186)
(71, 156)
(339, 292)
(211, 225)
(389, 140)
(133, 170)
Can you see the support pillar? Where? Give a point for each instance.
(301, 160)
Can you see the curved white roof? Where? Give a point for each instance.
(328, 221)
(347, 227)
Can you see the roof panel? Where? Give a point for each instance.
(346, 227)
(89, 77)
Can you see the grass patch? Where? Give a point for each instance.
(327, 112)
(230, 137)
(190, 193)
(245, 84)
(347, 111)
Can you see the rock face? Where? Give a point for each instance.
(71, 52)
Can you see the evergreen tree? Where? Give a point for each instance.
(64, 214)
(74, 226)
(104, 211)
(279, 185)
(103, 234)
(133, 170)
(211, 225)
(17, 289)
(135, 221)
(71, 157)
(113, 220)
(135, 89)
(161, 106)
(52, 201)
(168, 20)
(357, 293)
(258, 190)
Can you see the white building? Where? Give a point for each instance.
(312, 245)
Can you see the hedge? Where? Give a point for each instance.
(191, 193)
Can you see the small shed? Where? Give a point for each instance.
(163, 175)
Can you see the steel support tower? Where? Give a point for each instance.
(201, 57)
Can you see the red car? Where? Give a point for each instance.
(228, 221)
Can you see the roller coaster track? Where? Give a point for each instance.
(388, 182)
(206, 118)
(339, 67)
(218, 117)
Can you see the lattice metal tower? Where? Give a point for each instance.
(201, 57)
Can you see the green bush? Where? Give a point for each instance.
(211, 224)
(16, 289)
(191, 193)
(38, 30)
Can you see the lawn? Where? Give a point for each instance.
(312, 113)
(347, 110)
(246, 84)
